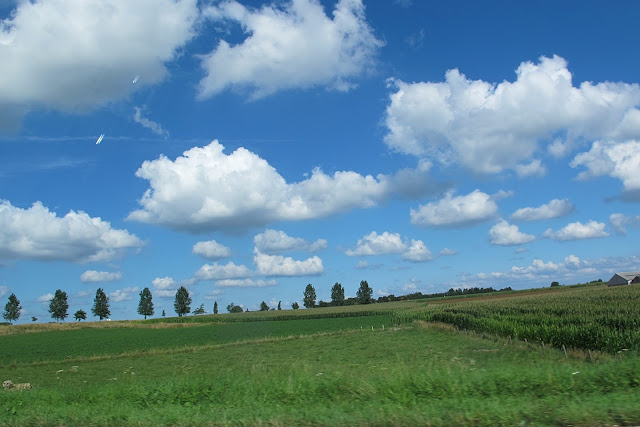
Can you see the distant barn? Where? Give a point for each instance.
(624, 279)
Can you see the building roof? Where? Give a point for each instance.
(630, 275)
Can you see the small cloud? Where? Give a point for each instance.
(45, 298)
(125, 294)
(447, 252)
(211, 250)
(217, 271)
(554, 209)
(379, 244)
(620, 223)
(149, 124)
(534, 168)
(245, 283)
(416, 40)
(277, 265)
(214, 294)
(417, 252)
(92, 276)
(578, 231)
(457, 211)
(505, 234)
(277, 241)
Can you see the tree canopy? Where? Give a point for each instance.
(101, 305)
(337, 294)
(364, 293)
(309, 296)
(232, 308)
(182, 303)
(215, 307)
(199, 310)
(80, 315)
(264, 306)
(12, 309)
(145, 307)
(58, 305)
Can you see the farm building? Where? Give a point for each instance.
(624, 279)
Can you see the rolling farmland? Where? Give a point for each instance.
(338, 366)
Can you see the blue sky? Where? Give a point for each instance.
(251, 148)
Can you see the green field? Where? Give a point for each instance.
(334, 370)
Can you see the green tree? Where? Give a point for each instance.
(101, 305)
(555, 284)
(58, 306)
(264, 306)
(279, 305)
(145, 307)
(232, 308)
(163, 313)
(182, 304)
(215, 307)
(34, 318)
(364, 293)
(12, 309)
(337, 294)
(199, 310)
(295, 305)
(309, 296)
(80, 315)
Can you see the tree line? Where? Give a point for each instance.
(58, 305)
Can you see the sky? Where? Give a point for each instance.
(250, 148)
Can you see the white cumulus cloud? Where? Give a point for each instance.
(417, 252)
(217, 271)
(75, 55)
(39, 234)
(126, 294)
(277, 241)
(390, 243)
(4, 290)
(619, 160)
(207, 190)
(455, 211)
(289, 45)
(556, 208)
(379, 244)
(489, 127)
(164, 287)
(92, 276)
(506, 234)
(578, 230)
(211, 249)
(277, 265)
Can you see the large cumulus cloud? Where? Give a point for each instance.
(489, 128)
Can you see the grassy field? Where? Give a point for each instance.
(320, 371)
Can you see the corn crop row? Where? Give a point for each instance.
(605, 319)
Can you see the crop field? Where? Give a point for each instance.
(589, 318)
(332, 369)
